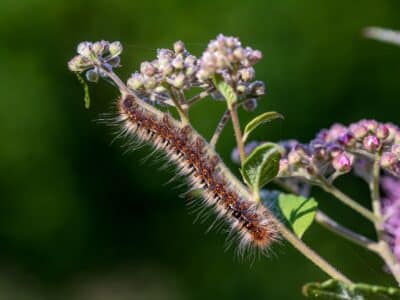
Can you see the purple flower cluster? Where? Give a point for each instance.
(390, 187)
(93, 55)
(337, 150)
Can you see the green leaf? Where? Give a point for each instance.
(85, 89)
(225, 89)
(257, 121)
(298, 211)
(336, 290)
(261, 166)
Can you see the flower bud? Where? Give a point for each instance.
(177, 63)
(241, 89)
(136, 81)
(342, 162)
(179, 47)
(149, 83)
(396, 150)
(78, 63)
(347, 139)
(179, 81)
(382, 131)
(203, 74)
(294, 157)
(84, 49)
(250, 104)
(388, 159)
(334, 150)
(254, 56)
(92, 75)
(247, 74)
(371, 143)
(257, 88)
(166, 70)
(100, 47)
(190, 60)
(359, 131)
(115, 62)
(147, 69)
(239, 53)
(115, 48)
(371, 125)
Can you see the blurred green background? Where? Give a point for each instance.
(81, 220)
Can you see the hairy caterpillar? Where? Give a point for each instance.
(252, 222)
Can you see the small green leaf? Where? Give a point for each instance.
(85, 89)
(225, 89)
(336, 290)
(298, 211)
(257, 121)
(261, 166)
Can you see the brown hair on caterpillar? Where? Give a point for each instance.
(254, 223)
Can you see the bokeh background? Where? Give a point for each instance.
(81, 220)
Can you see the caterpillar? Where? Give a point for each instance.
(252, 223)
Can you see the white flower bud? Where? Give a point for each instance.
(179, 47)
(136, 81)
(179, 81)
(92, 75)
(177, 63)
(115, 48)
(84, 49)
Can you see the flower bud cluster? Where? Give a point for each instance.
(337, 149)
(92, 57)
(172, 68)
(227, 57)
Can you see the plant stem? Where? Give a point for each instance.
(344, 232)
(311, 255)
(182, 114)
(238, 132)
(330, 188)
(221, 125)
(384, 248)
(198, 97)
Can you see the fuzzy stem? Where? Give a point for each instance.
(384, 249)
(238, 132)
(330, 188)
(221, 125)
(311, 254)
(344, 232)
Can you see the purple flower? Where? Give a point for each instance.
(391, 211)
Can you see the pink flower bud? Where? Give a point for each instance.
(382, 131)
(342, 162)
(371, 143)
(388, 159)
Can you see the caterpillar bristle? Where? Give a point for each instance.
(212, 186)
